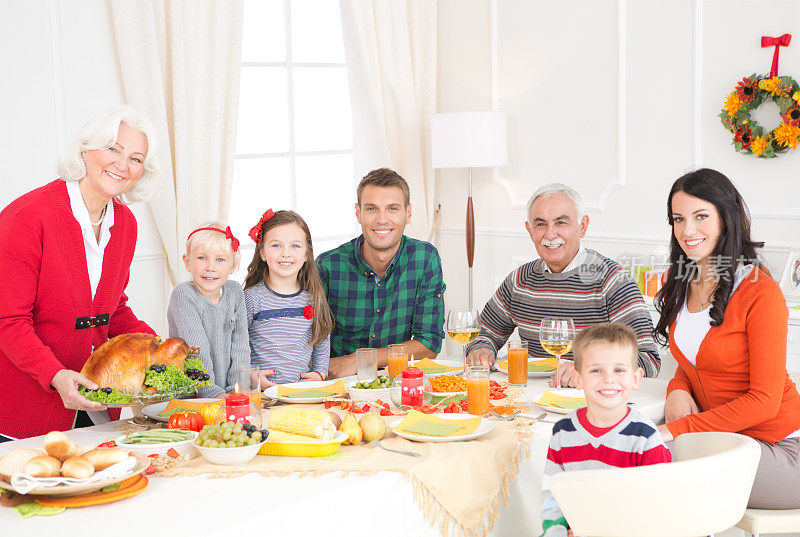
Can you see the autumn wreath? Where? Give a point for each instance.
(748, 136)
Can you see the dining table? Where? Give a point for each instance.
(336, 503)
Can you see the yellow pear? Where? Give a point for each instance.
(350, 427)
(373, 426)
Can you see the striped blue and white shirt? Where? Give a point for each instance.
(279, 334)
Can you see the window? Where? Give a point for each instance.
(294, 143)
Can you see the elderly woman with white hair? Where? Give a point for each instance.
(65, 255)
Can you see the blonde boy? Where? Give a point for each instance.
(606, 433)
(209, 311)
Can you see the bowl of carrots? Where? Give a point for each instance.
(448, 385)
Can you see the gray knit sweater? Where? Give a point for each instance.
(597, 291)
(220, 330)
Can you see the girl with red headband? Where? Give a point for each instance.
(288, 315)
(209, 310)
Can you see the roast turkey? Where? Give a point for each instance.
(122, 362)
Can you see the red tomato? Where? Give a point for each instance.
(150, 470)
(172, 453)
(189, 421)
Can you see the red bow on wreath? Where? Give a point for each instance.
(308, 311)
(255, 231)
(777, 42)
(228, 235)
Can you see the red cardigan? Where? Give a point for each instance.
(45, 288)
(740, 381)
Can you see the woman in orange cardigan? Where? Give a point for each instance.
(726, 320)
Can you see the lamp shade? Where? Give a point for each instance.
(469, 140)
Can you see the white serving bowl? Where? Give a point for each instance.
(370, 394)
(183, 447)
(230, 456)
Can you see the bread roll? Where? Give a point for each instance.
(103, 457)
(14, 461)
(42, 466)
(58, 445)
(77, 467)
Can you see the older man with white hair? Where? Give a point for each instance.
(567, 280)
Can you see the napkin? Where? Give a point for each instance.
(429, 367)
(551, 399)
(24, 483)
(534, 366)
(336, 388)
(420, 423)
(182, 405)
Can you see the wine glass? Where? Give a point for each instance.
(463, 328)
(556, 335)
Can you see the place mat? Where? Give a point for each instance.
(337, 388)
(444, 490)
(429, 367)
(551, 399)
(534, 366)
(183, 405)
(420, 423)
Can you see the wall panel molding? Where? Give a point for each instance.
(519, 201)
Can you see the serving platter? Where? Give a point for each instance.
(142, 462)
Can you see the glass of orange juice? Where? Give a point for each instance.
(477, 390)
(249, 381)
(398, 359)
(517, 362)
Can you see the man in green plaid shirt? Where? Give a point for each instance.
(383, 287)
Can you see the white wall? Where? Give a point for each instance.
(60, 68)
(616, 98)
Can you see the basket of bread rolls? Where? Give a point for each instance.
(61, 468)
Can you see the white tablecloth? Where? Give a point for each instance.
(331, 504)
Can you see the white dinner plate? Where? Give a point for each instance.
(153, 411)
(531, 374)
(482, 429)
(272, 391)
(565, 392)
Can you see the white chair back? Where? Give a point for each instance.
(703, 491)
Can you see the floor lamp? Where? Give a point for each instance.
(469, 140)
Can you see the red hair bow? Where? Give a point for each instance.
(255, 231)
(228, 235)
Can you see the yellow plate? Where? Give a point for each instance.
(303, 449)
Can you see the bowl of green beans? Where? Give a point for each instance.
(159, 441)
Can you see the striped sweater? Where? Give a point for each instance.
(597, 291)
(576, 444)
(280, 332)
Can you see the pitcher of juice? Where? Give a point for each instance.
(517, 363)
(477, 390)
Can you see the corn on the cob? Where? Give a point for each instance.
(321, 415)
(280, 436)
(305, 423)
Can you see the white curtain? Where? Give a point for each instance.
(390, 48)
(180, 62)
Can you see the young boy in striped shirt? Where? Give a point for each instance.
(606, 433)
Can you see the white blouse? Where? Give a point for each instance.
(94, 248)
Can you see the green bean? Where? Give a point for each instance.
(157, 436)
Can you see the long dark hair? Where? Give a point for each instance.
(307, 277)
(733, 247)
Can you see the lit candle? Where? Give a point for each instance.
(411, 387)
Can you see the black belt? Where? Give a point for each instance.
(88, 322)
